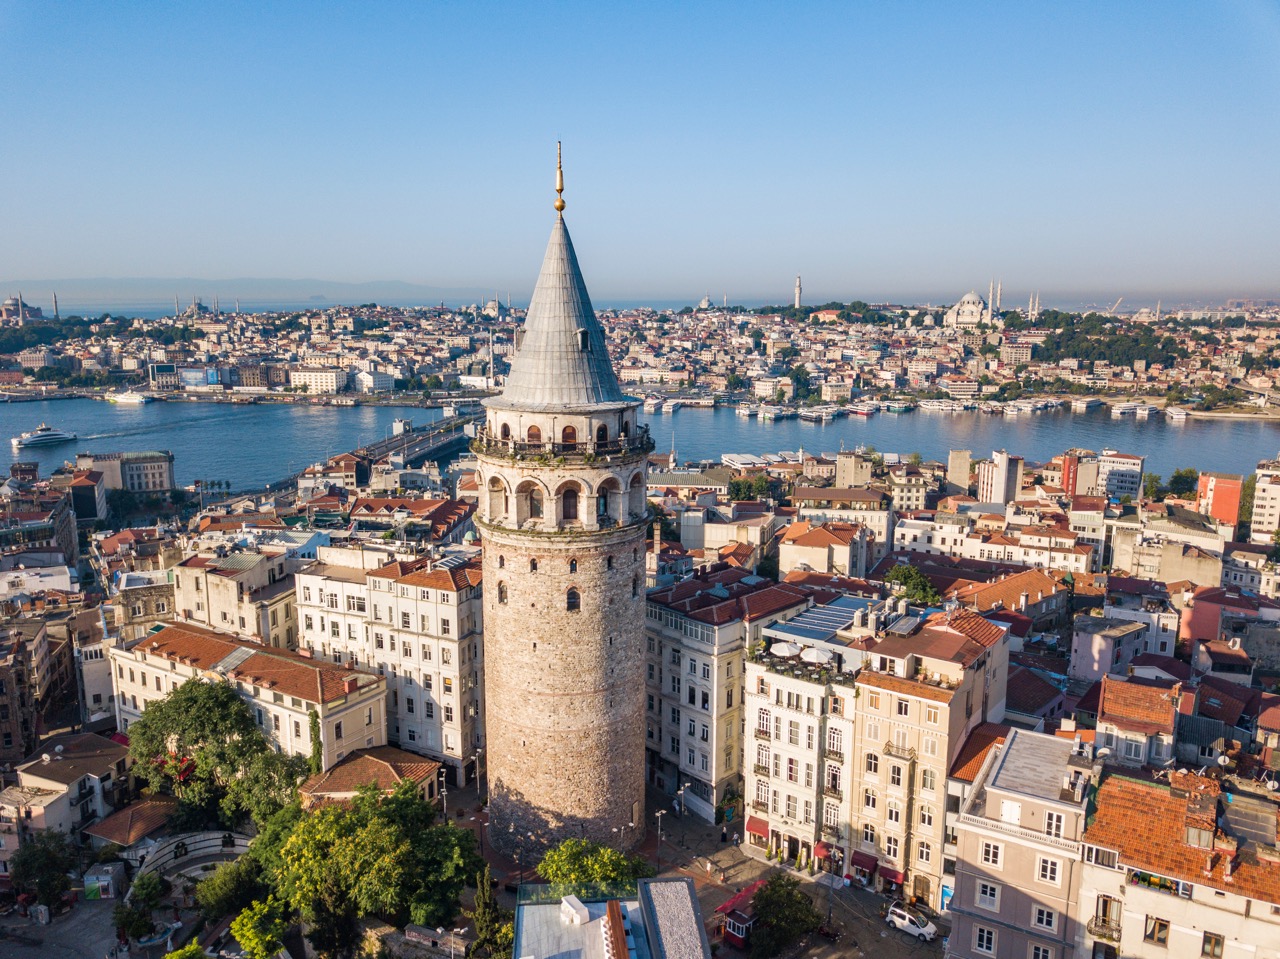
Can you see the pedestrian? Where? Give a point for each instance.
(724, 833)
(736, 841)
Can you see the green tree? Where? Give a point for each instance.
(191, 950)
(195, 742)
(316, 759)
(1151, 485)
(1247, 492)
(268, 782)
(1183, 482)
(784, 914)
(146, 892)
(41, 863)
(916, 586)
(488, 919)
(130, 921)
(582, 861)
(230, 888)
(260, 929)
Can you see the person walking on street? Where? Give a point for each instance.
(724, 833)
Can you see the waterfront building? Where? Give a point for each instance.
(697, 635)
(1180, 868)
(281, 689)
(311, 379)
(1119, 475)
(562, 463)
(148, 471)
(1018, 839)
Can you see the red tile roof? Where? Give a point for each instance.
(1146, 706)
(382, 766)
(970, 758)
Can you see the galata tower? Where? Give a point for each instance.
(563, 512)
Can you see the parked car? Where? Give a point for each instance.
(913, 924)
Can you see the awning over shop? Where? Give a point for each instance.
(757, 827)
(892, 875)
(742, 900)
(822, 850)
(864, 860)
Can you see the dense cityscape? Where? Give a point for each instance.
(774, 605)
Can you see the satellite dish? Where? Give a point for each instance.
(45, 757)
(1223, 760)
(1182, 771)
(1104, 752)
(58, 749)
(1272, 785)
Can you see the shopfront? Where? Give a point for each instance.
(863, 867)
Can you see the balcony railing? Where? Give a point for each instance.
(835, 792)
(835, 754)
(759, 805)
(764, 733)
(902, 752)
(761, 769)
(639, 443)
(831, 831)
(1101, 928)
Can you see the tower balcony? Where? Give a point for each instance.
(586, 453)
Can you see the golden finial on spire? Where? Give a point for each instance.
(559, 181)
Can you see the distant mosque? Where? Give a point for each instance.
(972, 310)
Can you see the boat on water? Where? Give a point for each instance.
(865, 408)
(1145, 410)
(1176, 414)
(818, 414)
(653, 405)
(129, 398)
(900, 406)
(1124, 409)
(42, 435)
(746, 412)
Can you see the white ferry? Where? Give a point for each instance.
(42, 435)
(1124, 409)
(865, 408)
(129, 398)
(1145, 410)
(653, 405)
(1084, 406)
(1176, 414)
(746, 412)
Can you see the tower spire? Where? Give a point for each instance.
(559, 204)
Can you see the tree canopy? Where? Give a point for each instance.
(916, 586)
(582, 861)
(260, 929)
(41, 863)
(784, 913)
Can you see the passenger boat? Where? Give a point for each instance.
(42, 435)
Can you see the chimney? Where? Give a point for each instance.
(350, 685)
(1022, 604)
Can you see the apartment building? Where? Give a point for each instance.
(697, 635)
(74, 781)
(1266, 503)
(419, 624)
(138, 471)
(924, 690)
(243, 593)
(1119, 475)
(281, 689)
(838, 548)
(999, 478)
(1180, 869)
(800, 767)
(1019, 851)
(959, 536)
(313, 379)
(871, 508)
(908, 487)
(143, 599)
(17, 697)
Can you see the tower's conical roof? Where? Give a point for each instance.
(561, 360)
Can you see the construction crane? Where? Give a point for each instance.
(1117, 306)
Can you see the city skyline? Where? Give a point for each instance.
(881, 154)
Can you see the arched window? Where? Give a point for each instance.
(573, 565)
(626, 428)
(535, 503)
(602, 433)
(502, 562)
(505, 432)
(572, 601)
(569, 499)
(533, 565)
(569, 436)
(502, 594)
(534, 434)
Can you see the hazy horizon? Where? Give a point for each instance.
(883, 152)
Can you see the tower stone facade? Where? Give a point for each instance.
(562, 469)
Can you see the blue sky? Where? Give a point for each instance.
(885, 151)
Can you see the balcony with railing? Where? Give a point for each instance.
(832, 790)
(760, 805)
(639, 443)
(764, 733)
(1102, 928)
(830, 832)
(761, 769)
(901, 752)
(835, 755)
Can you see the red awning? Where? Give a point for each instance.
(822, 850)
(757, 826)
(743, 899)
(864, 860)
(892, 875)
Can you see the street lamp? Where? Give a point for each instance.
(479, 791)
(659, 814)
(444, 795)
(680, 794)
(455, 932)
(622, 833)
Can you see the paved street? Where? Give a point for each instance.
(688, 846)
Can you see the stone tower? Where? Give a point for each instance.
(563, 512)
